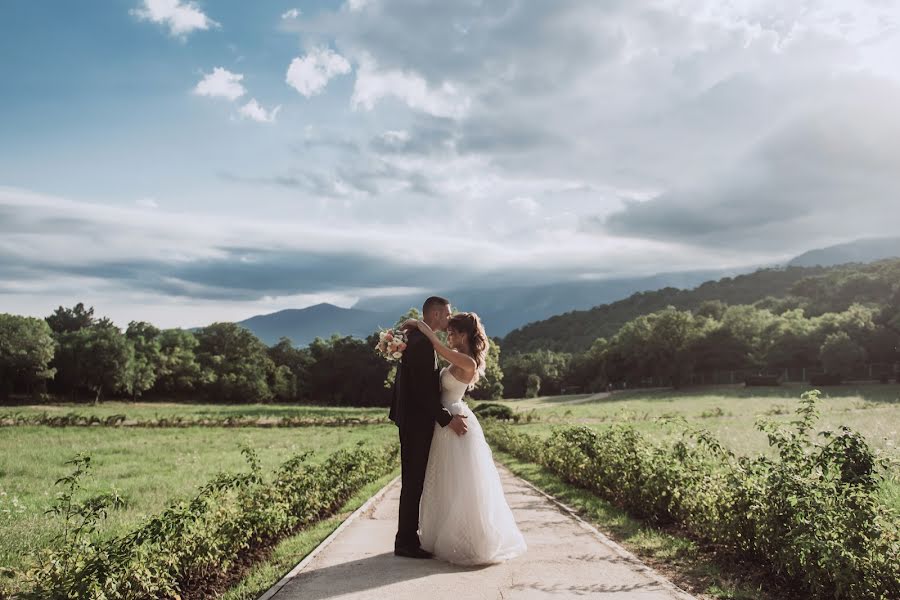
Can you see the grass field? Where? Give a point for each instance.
(730, 413)
(151, 467)
(151, 410)
(148, 467)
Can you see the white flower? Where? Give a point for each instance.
(397, 355)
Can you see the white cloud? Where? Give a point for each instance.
(181, 18)
(310, 74)
(395, 139)
(253, 110)
(357, 5)
(373, 84)
(526, 204)
(221, 83)
(147, 203)
(290, 14)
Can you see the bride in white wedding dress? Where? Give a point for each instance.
(463, 515)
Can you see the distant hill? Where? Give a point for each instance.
(575, 331)
(859, 251)
(505, 309)
(816, 289)
(508, 311)
(303, 325)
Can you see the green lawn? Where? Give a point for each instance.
(149, 467)
(151, 410)
(730, 413)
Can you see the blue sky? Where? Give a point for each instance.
(184, 162)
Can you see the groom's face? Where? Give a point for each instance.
(443, 317)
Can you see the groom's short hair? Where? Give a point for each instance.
(432, 303)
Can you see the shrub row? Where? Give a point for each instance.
(492, 410)
(811, 514)
(192, 546)
(73, 419)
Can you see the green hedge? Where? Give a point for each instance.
(74, 419)
(491, 410)
(811, 515)
(192, 546)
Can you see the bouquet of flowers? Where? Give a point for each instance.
(391, 344)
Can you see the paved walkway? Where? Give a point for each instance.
(566, 558)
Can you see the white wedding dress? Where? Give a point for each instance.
(463, 516)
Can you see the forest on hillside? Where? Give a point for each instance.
(816, 290)
(830, 324)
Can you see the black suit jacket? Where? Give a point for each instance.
(417, 387)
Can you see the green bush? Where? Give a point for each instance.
(193, 545)
(489, 410)
(74, 419)
(811, 514)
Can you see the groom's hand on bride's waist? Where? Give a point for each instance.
(458, 424)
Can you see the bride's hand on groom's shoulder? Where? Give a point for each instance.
(409, 324)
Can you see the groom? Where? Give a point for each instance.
(415, 408)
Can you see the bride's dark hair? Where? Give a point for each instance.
(468, 324)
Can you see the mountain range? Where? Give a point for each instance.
(860, 251)
(510, 308)
(303, 325)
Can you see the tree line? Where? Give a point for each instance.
(670, 346)
(816, 290)
(74, 355)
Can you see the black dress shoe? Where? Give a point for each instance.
(411, 552)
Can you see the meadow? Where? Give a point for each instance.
(148, 468)
(729, 413)
(811, 516)
(153, 410)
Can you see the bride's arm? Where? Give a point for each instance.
(463, 361)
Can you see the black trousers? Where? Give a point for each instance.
(415, 444)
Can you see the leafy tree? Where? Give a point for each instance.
(550, 367)
(532, 386)
(347, 372)
(237, 364)
(750, 328)
(588, 371)
(282, 383)
(672, 334)
(490, 386)
(840, 354)
(26, 350)
(721, 350)
(297, 361)
(857, 321)
(792, 341)
(179, 372)
(95, 358)
(626, 359)
(711, 309)
(143, 369)
(67, 320)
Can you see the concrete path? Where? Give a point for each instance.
(566, 558)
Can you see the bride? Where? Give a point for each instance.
(463, 515)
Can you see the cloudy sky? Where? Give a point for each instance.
(184, 162)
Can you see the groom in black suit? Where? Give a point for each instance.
(415, 408)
